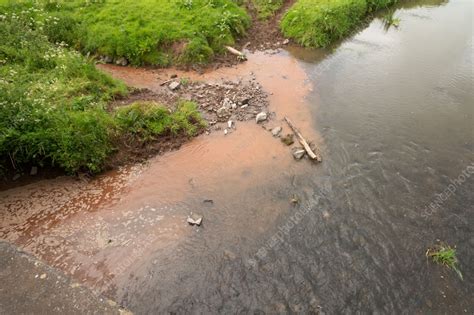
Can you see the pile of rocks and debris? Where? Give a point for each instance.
(222, 104)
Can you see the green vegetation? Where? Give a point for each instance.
(445, 255)
(266, 8)
(147, 120)
(154, 32)
(390, 20)
(53, 101)
(318, 23)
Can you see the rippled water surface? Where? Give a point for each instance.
(394, 109)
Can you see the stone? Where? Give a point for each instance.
(194, 219)
(276, 131)
(288, 139)
(286, 41)
(34, 171)
(223, 112)
(173, 76)
(298, 153)
(225, 131)
(107, 59)
(261, 117)
(174, 85)
(244, 106)
(230, 123)
(121, 61)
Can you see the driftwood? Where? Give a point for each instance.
(303, 142)
(166, 82)
(236, 52)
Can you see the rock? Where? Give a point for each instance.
(276, 131)
(194, 219)
(34, 171)
(121, 61)
(225, 131)
(244, 106)
(298, 153)
(223, 112)
(174, 85)
(107, 59)
(227, 103)
(286, 41)
(261, 117)
(173, 76)
(288, 139)
(230, 123)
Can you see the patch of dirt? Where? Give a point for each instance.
(265, 34)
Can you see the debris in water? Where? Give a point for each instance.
(294, 200)
(298, 153)
(288, 139)
(194, 219)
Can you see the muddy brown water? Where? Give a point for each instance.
(393, 113)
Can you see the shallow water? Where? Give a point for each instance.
(394, 109)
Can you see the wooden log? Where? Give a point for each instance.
(303, 141)
(235, 52)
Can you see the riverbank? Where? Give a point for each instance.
(72, 111)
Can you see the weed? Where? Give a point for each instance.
(445, 255)
(390, 20)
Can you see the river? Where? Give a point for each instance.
(392, 111)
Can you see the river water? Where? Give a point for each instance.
(392, 110)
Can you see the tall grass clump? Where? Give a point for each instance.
(318, 23)
(154, 32)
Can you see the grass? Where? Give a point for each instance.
(390, 20)
(267, 8)
(53, 102)
(146, 32)
(446, 256)
(319, 23)
(148, 120)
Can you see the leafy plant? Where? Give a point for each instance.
(445, 255)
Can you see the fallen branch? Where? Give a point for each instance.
(165, 82)
(236, 52)
(303, 142)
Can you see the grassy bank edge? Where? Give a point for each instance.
(319, 23)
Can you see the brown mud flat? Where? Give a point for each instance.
(102, 230)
